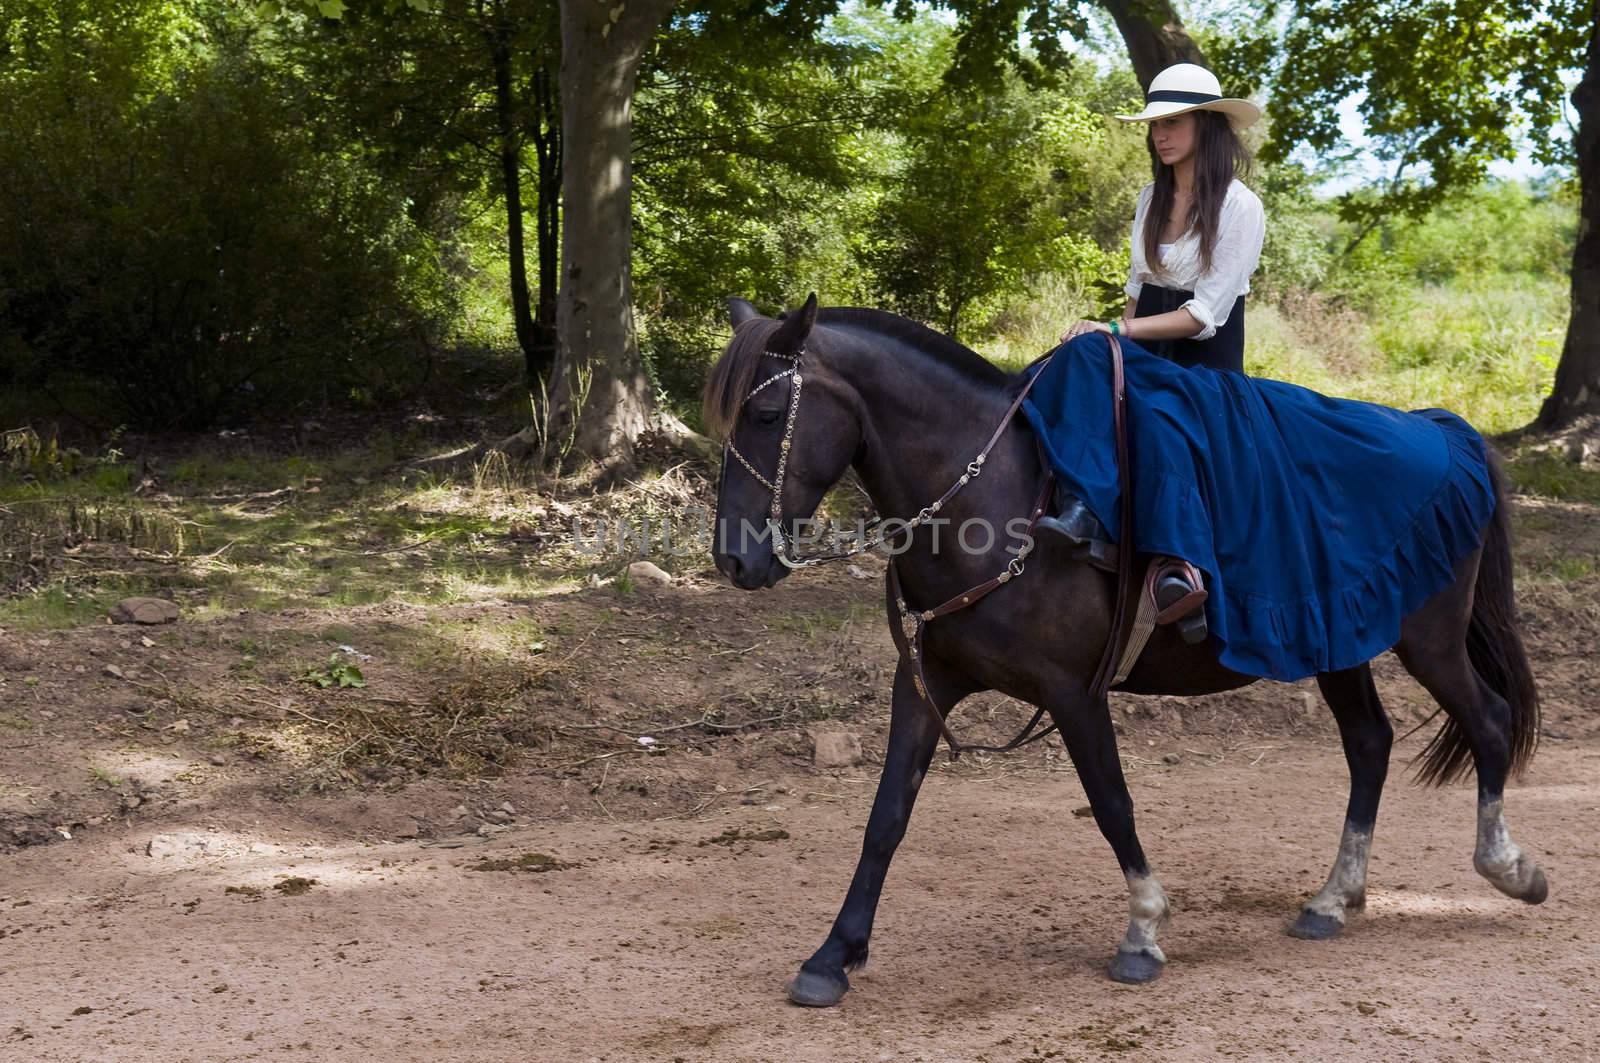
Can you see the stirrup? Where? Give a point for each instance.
(1180, 594)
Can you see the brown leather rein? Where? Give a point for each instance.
(909, 631)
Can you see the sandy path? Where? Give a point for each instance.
(998, 919)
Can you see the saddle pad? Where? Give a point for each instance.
(1319, 522)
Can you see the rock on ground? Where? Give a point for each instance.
(836, 749)
(144, 611)
(183, 845)
(650, 571)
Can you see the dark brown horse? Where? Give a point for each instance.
(907, 408)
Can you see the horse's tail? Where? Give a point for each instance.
(1494, 643)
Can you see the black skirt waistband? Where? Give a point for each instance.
(1224, 350)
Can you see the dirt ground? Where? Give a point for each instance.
(667, 941)
(473, 856)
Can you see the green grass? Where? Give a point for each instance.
(1030, 329)
(1572, 569)
(218, 540)
(1486, 348)
(1486, 351)
(1552, 476)
(60, 606)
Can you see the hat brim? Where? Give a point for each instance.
(1242, 113)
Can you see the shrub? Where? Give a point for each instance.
(178, 249)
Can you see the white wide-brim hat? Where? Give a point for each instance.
(1187, 87)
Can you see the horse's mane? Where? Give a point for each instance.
(734, 374)
(946, 351)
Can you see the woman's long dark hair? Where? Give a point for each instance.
(1219, 156)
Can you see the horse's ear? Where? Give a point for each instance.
(740, 311)
(791, 335)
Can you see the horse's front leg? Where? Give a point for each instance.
(913, 737)
(1086, 726)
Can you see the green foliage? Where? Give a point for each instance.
(970, 216)
(177, 246)
(862, 168)
(339, 673)
(1444, 87)
(1494, 236)
(1295, 256)
(997, 188)
(410, 87)
(1500, 227)
(754, 179)
(335, 9)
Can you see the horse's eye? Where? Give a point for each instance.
(768, 416)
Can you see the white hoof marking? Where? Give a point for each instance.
(1498, 858)
(1148, 912)
(1346, 888)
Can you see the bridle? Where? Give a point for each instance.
(781, 548)
(908, 633)
(775, 485)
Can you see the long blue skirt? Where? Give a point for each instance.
(1318, 522)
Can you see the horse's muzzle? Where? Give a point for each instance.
(751, 574)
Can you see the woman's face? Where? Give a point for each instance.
(1174, 137)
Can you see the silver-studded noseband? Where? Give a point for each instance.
(780, 547)
(871, 540)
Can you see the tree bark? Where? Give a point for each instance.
(547, 152)
(1154, 35)
(1577, 386)
(510, 146)
(602, 400)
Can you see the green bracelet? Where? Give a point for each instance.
(1116, 328)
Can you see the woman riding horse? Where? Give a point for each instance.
(1197, 237)
(1422, 566)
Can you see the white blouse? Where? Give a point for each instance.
(1240, 229)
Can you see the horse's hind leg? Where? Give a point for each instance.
(1086, 726)
(913, 737)
(1367, 736)
(1434, 648)
(1483, 715)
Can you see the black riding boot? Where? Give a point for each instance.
(1089, 538)
(1091, 543)
(1172, 591)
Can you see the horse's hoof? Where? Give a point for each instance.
(1314, 926)
(1535, 890)
(816, 990)
(1538, 888)
(1135, 968)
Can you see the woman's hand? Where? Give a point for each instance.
(1082, 327)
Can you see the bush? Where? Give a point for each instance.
(1500, 227)
(177, 249)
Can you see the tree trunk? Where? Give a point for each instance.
(511, 180)
(602, 400)
(1577, 387)
(547, 151)
(1154, 35)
